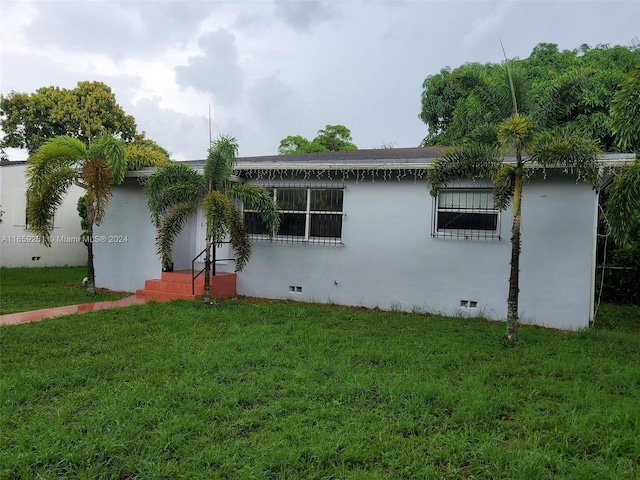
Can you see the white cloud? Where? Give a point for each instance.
(272, 69)
(487, 25)
(217, 71)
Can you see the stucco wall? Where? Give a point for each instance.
(19, 247)
(390, 260)
(125, 264)
(559, 220)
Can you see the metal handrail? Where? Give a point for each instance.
(213, 265)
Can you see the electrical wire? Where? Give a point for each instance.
(604, 263)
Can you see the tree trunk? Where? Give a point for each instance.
(514, 275)
(207, 270)
(91, 277)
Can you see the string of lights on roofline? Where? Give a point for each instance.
(359, 175)
(369, 173)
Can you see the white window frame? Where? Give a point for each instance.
(477, 201)
(308, 213)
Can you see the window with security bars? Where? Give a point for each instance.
(307, 215)
(468, 213)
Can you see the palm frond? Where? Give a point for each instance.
(112, 151)
(240, 240)
(256, 197)
(504, 182)
(45, 196)
(140, 156)
(516, 132)
(56, 153)
(221, 160)
(170, 227)
(63, 146)
(623, 202)
(465, 162)
(570, 150)
(485, 134)
(98, 178)
(50, 172)
(170, 185)
(217, 213)
(496, 95)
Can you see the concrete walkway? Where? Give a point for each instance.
(37, 315)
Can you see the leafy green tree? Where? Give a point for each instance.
(522, 136)
(625, 111)
(585, 78)
(332, 138)
(296, 144)
(89, 110)
(64, 161)
(175, 191)
(623, 202)
(335, 138)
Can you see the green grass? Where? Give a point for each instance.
(283, 390)
(25, 289)
(618, 317)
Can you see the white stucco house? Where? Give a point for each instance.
(360, 228)
(19, 247)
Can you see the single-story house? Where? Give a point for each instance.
(360, 228)
(19, 247)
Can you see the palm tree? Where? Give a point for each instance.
(530, 144)
(175, 191)
(64, 161)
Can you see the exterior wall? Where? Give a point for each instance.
(559, 225)
(19, 247)
(390, 260)
(126, 264)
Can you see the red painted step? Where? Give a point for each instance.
(177, 285)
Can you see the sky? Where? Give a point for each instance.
(269, 69)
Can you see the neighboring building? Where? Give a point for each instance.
(19, 247)
(360, 228)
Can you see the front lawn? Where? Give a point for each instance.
(283, 390)
(25, 289)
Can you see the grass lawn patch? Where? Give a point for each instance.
(618, 317)
(286, 390)
(26, 289)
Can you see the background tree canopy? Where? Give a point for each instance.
(331, 138)
(87, 111)
(584, 80)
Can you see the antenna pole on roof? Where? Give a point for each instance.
(513, 90)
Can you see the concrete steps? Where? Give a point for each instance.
(177, 286)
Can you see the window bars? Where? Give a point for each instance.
(308, 215)
(467, 213)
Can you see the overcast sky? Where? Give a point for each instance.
(270, 69)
